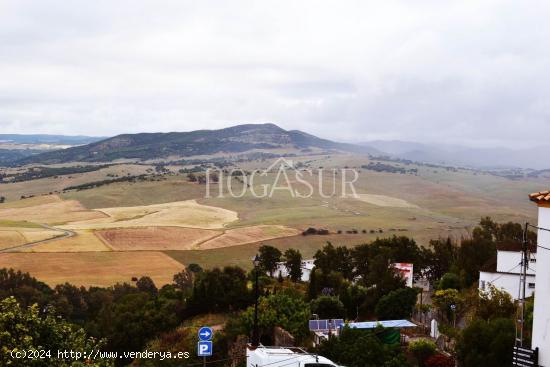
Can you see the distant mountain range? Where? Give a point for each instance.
(48, 139)
(534, 157)
(234, 139)
(242, 138)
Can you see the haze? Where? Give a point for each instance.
(461, 72)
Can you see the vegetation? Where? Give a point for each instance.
(422, 349)
(37, 338)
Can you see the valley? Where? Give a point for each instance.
(162, 220)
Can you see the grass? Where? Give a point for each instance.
(18, 223)
(87, 269)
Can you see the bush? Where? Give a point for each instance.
(397, 304)
(449, 281)
(422, 349)
(439, 360)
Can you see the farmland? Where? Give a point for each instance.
(169, 220)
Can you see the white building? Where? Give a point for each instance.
(307, 267)
(503, 271)
(541, 313)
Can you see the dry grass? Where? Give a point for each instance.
(383, 200)
(10, 238)
(52, 212)
(84, 241)
(241, 236)
(155, 238)
(179, 214)
(100, 269)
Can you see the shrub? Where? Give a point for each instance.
(422, 349)
(439, 360)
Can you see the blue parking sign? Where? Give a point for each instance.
(204, 349)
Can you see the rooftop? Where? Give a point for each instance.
(542, 197)
(386, 324)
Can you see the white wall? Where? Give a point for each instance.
(508, 260)
(541, 315)
(506, 282)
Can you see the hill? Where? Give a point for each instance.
(234, 139)
(48, 139)
(497, 157)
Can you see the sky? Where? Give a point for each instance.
(458, 72)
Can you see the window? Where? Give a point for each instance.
(482, 285)
(533, 259)
(531, 285)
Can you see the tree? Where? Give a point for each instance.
(194, 268)
(448, 281)
(146, 284)
(2, 199)
(25, 329)
(328, 307)
(269, 257)
(422, 349)
(440, 258)
(184, 279)
(397, 304)
(338, 259)
(293, 263)
(290, 313)
(486, 343)
(445, 300)
(362, 348)
(219, 291)
(493, 304)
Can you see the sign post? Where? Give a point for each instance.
(204, 345)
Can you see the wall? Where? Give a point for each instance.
(541, 316)
(509, 262)
(507, 282)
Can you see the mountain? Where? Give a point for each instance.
(234, 139)
(47, 139)
(499, 157)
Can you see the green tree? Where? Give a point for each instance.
(335, 259)
(448, 281)
(25, 329)
(290, 313)
(146, 284)
(486, 343)
(269, 257)
(493, 303)
(397, 304)
(293, 263)
(362, 348)
(184, 279)
(328, 307)
(422, 349)
(445, 300)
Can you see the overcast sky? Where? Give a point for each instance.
(470, 72)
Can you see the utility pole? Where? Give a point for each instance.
(521, 291)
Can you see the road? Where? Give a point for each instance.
(65, 234)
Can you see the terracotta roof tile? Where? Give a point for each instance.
(542, 197)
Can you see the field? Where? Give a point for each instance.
(170, 220)
(94, 268)
(155, 238)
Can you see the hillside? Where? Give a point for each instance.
(234, 139)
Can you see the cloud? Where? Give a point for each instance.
(457, 71)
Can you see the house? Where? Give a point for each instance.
(503, 271)
(323, 329)
(307, 267)
(541, 314)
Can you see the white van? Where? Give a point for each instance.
(284, 357)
